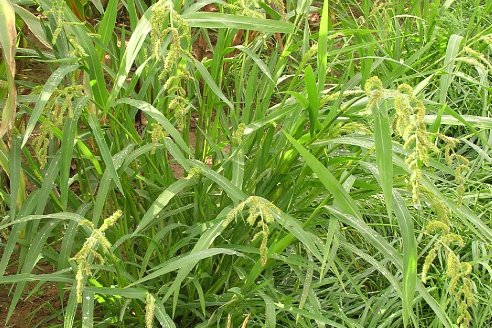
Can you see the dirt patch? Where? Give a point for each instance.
(34, 311)
(31, 312)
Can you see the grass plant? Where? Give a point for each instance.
(247, 163)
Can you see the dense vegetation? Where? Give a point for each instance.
(247, 163)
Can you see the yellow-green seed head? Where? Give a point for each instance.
(437, 227)
(428, 262)
(149, 310)
(373, 84)
(453, 270)
(405, 89)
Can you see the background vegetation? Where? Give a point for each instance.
(246, 163)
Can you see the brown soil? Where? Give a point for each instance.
(32, 311)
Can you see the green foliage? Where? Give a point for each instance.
(248, 163)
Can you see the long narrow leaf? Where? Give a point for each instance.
(384, 151)
(341, 197)
(184, 261)
(219, 20)
(104, 149)
(67, 147)
(161, 202)
(160, 118)
(8, 37)
(405, 222)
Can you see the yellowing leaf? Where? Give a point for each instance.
(7, 41)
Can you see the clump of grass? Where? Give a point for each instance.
(251, 132)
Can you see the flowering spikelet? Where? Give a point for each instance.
(372, 85)
(352, 127)
(158, 24)
(436, 226)
(308, 55)
(194, 172)
(374, 90)
(452, 238)
(453, 270)
(464, 295)
(175, 51)
(409, 124)
(428, 262)
(42, 141)
(459, 171)
(461, 162)
(180, 107)
(78, 51)
(440, 209)
(471, 61)
(108, 222)
(172, 82)
(401, 122)
(281, 6)
(165, 22)
(449, 145)
(237, 137)
(157, 134)
(325, 99)
(456, 271)
(57, 8)
(149, 310)
(487, 39)
(243, 8)
(58, 107)
(88, 250)
(260, 214)
(479, 57)
(466, 299)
